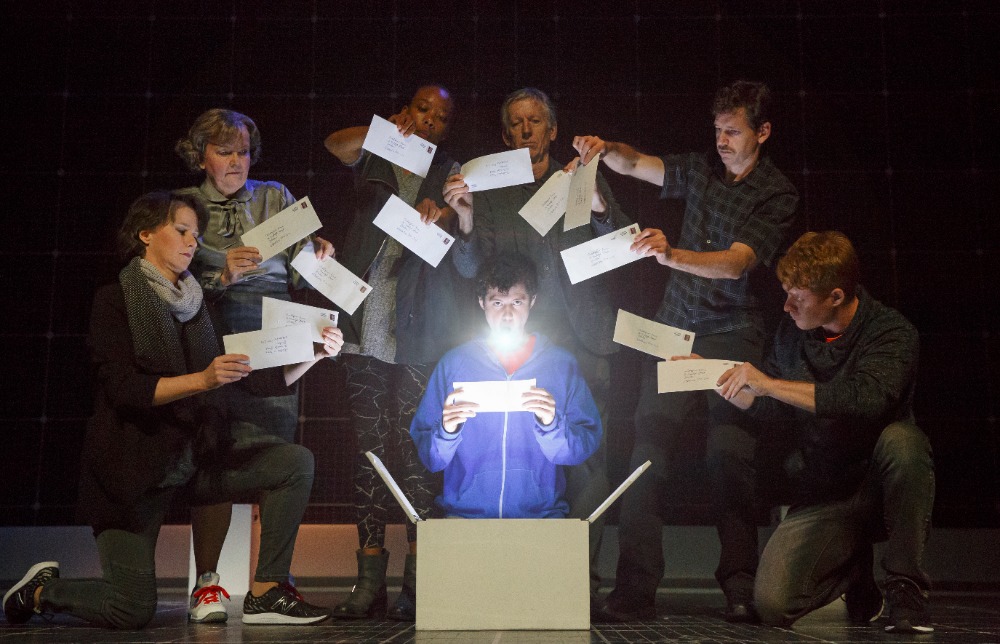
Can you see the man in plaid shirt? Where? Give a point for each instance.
(738, 210)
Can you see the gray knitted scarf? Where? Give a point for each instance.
(183, 300)
(162, 346)
(172, 335)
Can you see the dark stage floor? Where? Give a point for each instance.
(686, 616)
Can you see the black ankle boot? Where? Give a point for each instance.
(368, 597)
(405, 608)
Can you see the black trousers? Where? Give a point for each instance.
(383, 398)
(661, 422)
(819, 550)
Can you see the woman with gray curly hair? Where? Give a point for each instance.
(223, 144)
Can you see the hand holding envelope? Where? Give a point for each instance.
(456, 411)
(407, 151)
(601, 254)
(510, 168)
(565, 192)
(695, 374)
(580, 201)
(468, 398)
(541, 403)
(405, 225)
(744, 376)
(590, 147)
(241, 262)
(457, 194)
(651, 242)
(275, 234)
(331, 342)
(403, 121)
(225, 369)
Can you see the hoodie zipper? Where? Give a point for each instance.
(503, 454)
(506, 414)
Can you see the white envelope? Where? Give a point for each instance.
(403, 224)
(601, 255)
(652, 337)
(273, 347)
(329, 277)
(581, 195)
(690, 375)
(275, 234)
(277, 314)
(510, 168)
(548, 204)
(494, 395)
(408, 152)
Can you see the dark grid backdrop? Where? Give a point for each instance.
(885, 110)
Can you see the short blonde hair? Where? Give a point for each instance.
(821, 262)
(217, 126)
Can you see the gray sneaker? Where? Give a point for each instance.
(206, 605)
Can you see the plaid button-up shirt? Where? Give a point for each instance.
(756, 211)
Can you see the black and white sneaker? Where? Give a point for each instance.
(281, 605)
(19, 602)
(907, 608)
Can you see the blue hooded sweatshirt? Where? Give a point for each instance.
(506, 464)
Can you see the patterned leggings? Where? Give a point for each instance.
(383, 399)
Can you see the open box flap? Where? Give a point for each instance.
(408, 508)
(412, 515)
(618, 492)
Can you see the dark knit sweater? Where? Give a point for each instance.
(864, 382)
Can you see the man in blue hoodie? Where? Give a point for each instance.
(506, 464)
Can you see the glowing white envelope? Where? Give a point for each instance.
(494, 395)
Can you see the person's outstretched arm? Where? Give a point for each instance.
(621, 157)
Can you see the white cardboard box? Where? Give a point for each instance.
(502, 574)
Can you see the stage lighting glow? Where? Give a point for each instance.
(506, 340)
